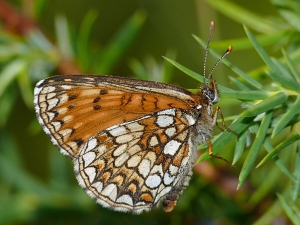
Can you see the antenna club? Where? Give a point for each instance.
(212, 27)
(229, 48)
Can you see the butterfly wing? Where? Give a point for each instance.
(73, 108)
(134, 165)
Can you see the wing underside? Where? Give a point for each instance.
(135, 165)
(71, 109)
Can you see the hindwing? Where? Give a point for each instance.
(134, 165)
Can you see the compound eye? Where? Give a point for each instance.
(210, 94)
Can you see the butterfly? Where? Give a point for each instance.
(133, 142)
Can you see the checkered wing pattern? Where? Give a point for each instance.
(134, 165)
(132, 142)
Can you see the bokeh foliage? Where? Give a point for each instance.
(266, 152)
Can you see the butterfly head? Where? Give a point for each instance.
(210, 92)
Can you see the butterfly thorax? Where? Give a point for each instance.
(208, 96)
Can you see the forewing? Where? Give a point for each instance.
(73, 108)
(134, 165)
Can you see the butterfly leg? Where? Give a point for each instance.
(210, 149)
(210, 152)
(219, 111)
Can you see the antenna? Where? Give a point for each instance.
(211, 31)
(229, 49)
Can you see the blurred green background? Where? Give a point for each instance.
(128, 38)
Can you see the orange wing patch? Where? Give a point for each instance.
(76, 112)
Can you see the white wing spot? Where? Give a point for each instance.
(91, 144)
(134, 161)
(173, 170)
(98, 185)
(144, 167)
(190, 119)
(170, 131)
(66, 87)
(164, 121)
(48, 89)
(168, 179)
(128, 137)
(153, 181)
(171, 147)
(50, 115)
(124, 138)
(56, 125)
(133, 127)
(199, 107)
(91, 173)
(134, 149)
(153, 141)
(125, 199)
(118, 131)
(65, 132)
(110, 191)
(167, 112)
(121, 159)
(88, 158)
(51, 95)
(119, 150)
